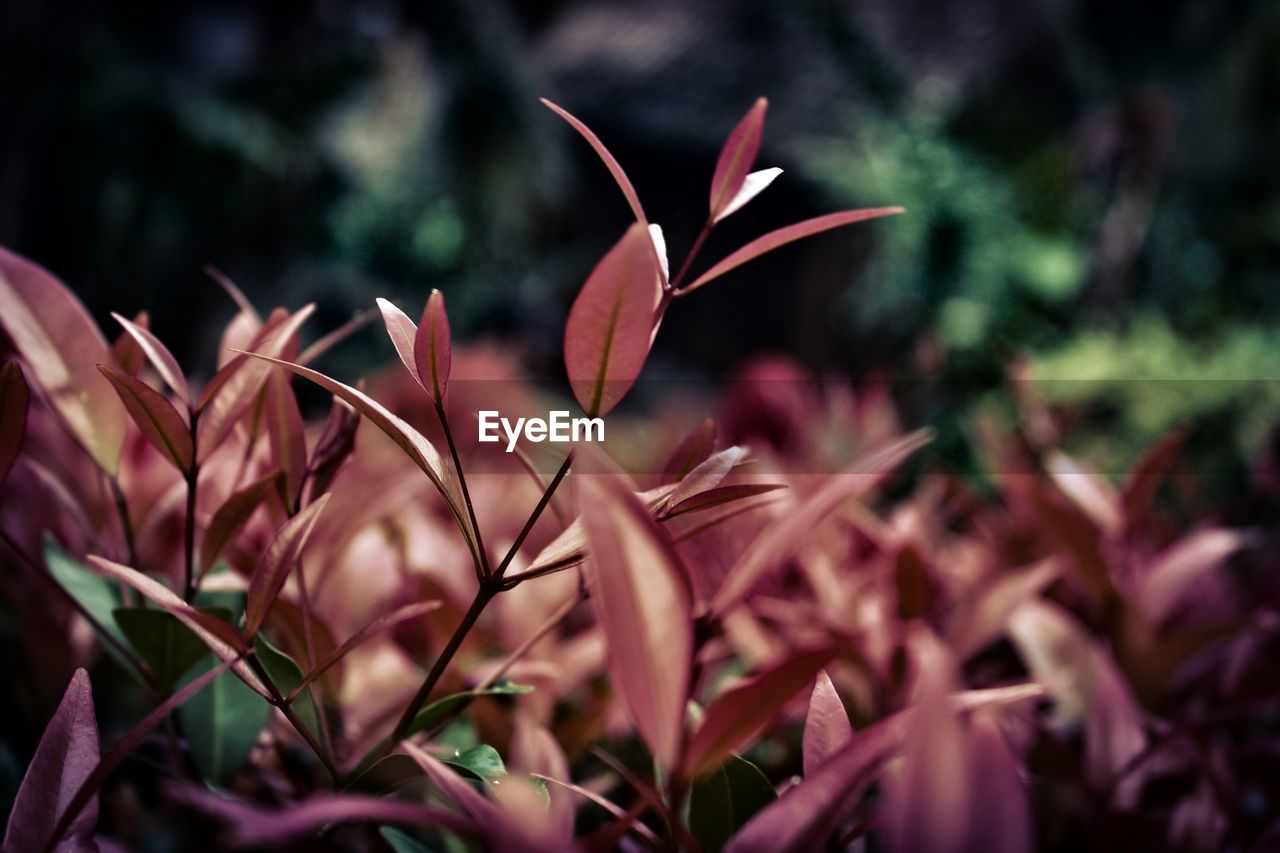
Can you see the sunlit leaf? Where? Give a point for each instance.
(276, 564)
(736, 159)
(402, 332)
(606, 339)
(1088, 490)
(155, 416)
(433, 349)
(725, 799)
(14, 401)
(61, 345)
(826, 725)
(67, 753)
(756, 183)
(788, 234)
(642, 597)
(159, 356)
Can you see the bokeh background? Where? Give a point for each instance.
(1093, 187)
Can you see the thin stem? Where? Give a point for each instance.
(278, 700)
(693, 253)
(122, 508)
(533, 518)
(550, 569)
(482, 569)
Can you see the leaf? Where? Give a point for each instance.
(1140, 487)
(826, 725)
(606, 339)
(712, 498)
(287, 676)
(125, 352)
(14, 401)
(221, 638)
(276, 563)
(286, 434)
(385, 775)
(738, 715)
(723, 801)
(1176, 574)
(60, 345)
(788, 234)
(441, 709)
(756, 183)
(168, 646)
(159, 356)
(481, 761)
(333, 447)
(66, 755)
(708, 474)
(222, 723)
(432, 348)
(382, 623)
(402, 332)
(470, 801)
(401, 842)
(640, 590)
(235, 387)
(155, 416)
(233, 514)
(1088, 490)
(94, 593)
(695, 447)
(736, 159)
(780, 540)
(999, 797)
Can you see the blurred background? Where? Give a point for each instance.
(1093, 187)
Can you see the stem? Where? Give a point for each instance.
(122, 508)
(533, 519)
(693, 253)
(278, 700)
(482, 568)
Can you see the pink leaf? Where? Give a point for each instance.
(641, 594)
(125, 352)
(61, 346)
(788, 234)
(232, 515)
(756, 183)
(736, 159)
(826, 726)
(276, 563)
(708, 474)
(1176, 574)
(222, 639)
(402, 332)
(67, 753)
(999, 799)
(286, 433)
(159, 356)
(1140, 487)
(14, 401)
(740, 714)
(1088, 490)
(695, 447)
(719, 496)
(433, 350)
(155, 416)
(606, 339)
(781, 539)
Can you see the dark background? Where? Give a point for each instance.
(1092, 185)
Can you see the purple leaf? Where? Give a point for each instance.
(155, 416)
(826, 725)
(14, 401)
(67, 754)
(433, 350)
(232, 515)
(736, 159)
(276, 563)
(159, 356)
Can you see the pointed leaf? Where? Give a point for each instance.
(736, 158)
(441, 709)
(222, 639)
(67, 753)
(780, 540)
(159, 356)
(286, 434)
(168, 646)
(641, 594)
(708, 474)
(723, 801)
(788, 234)
(606, 338)
(14, 401)
(232, 289)
(695, 447)
(1178, 573)
(336, 443)
(276, 563)
(155, 416)
(756, 183)
(402, 332)
(470, 801)
(826, 725)
(720, 496)
(125, 352)
(738, 716)
(1000, 798)
(1088, 490)
(1140, 487)
(95, 594)
(433, 349)
(329, 340)
(222, 723)
(232, 515)
(61, 344)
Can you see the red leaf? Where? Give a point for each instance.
(1088, 490)
(740, 714)
(1151, 469)
(402, 332)
(159, 356)
(222, 639)
(155, 416)
(780, 540)
(789, 234)
(826, 725)
(14, 401)
(606, 339)
(276, 563)
(695, 447)
(642, 597)
(736, 158)
(286, 433)
(999, 800)
(719, 496)
(707, 475)
(232, 515)
(125, 352)
(60, 345)
(67, 753)
(433, 351)
(1177, 573)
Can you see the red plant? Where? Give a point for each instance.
(782, 644)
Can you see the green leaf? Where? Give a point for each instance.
(168, 646)
(287, 675)
(401, 842)
(222, 723)
(386, 775)
(441, 709)
(95, 593)
(723, 801)
(481, 762)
